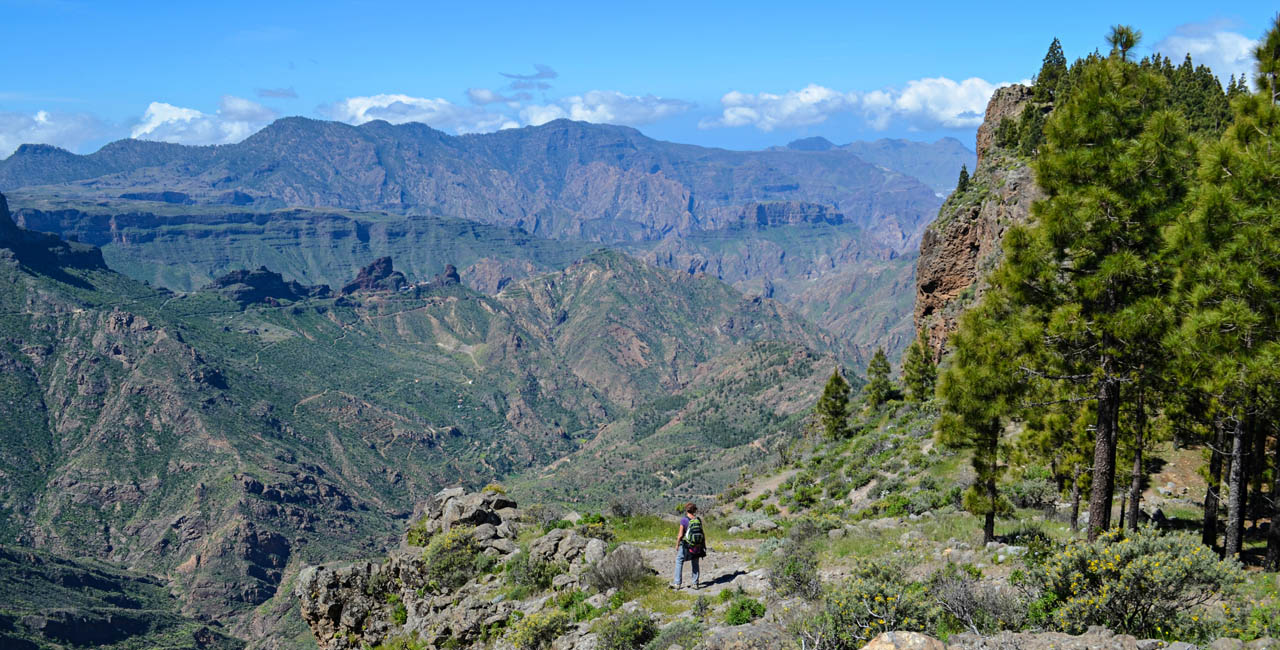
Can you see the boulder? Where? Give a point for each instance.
(904, 641)
(594, 551)
(763, 525)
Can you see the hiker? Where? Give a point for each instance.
(691, 544)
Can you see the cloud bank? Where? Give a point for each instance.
(66, 130)
(922, 104)
(236, 119)
(1226, 52)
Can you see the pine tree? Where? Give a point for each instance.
(1122, 39)
(833, 407)
(1229, 285)
(878, 388)
(918, 370)
(1051, 73)
(962, 183)
(979, 390)
(1267, 55)
(1114, 171)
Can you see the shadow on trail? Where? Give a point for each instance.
(726, 578)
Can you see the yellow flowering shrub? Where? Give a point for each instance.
(537, 631)
(1144, 583)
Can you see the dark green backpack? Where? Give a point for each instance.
(693, 534)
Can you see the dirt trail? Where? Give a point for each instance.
(727, 566)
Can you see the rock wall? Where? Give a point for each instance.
(964, 243)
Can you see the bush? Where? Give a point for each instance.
(771, 509)
(494, 488)
(575, 603)
(1032, 492)
(417, 534)
(792, 565)
(877, 597)
(685, 634)
(523, 570)
(537, 631)
(626, 631)
(743, 610)
(968, 603)
(1145, 584)
(399, 613)
(451, 559)
(618, 569)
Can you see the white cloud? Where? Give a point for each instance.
(606, 107)
(66, 130)
(1225, 52)
(483, 96)
(237, 118)
(812, 104)
(437, 113)
(931, 103)
(922, 104)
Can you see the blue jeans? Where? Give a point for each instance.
(681, 556)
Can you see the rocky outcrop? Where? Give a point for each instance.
(368, 602)
(378, 276)
(43, 252)
(964, 243)
(264, 287)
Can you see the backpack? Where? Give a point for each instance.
(693, 534)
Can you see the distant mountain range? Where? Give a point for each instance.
(937, 164)
(829, 230)
(564, 180)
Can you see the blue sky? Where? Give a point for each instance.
(737, 75)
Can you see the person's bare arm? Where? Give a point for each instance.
(680, 537)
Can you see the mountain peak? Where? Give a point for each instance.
(815, 143)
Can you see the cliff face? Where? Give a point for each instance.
(963, 244)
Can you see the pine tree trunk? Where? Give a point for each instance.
(1258, 467)
(1135, 480)
(989, 522)
(1235, 500)
(1209, 534)
(1104, 457)
(1075, 499)
(1273, 531)
(1124, 500)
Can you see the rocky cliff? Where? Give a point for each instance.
(964, 243)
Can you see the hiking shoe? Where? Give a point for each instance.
(674, 586)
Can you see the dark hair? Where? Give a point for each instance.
(690, 508)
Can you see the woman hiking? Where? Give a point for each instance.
(691, 545)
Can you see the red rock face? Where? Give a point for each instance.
(964, 244)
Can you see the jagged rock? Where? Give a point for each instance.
(263, 286)
(594, 551)
(378, 276)
(904, 641)
(963, 243)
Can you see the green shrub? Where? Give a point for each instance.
(1145, 584)
(684, 633)
(575, 604)
(537, 631)
(417, 534)
(522, 570)
(399, 613)
(877, 597)
(792, 567)
(623, 566)
(743, 610)
(771, 509)
(967, 603)
(626, 631)
(453, 558)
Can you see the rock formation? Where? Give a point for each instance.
(264, 286)
(964, 243)
(378, 276)
(355, 605)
